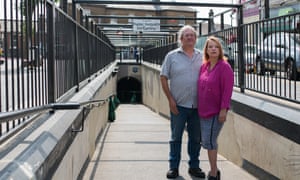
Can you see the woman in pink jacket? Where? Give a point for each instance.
(215, 85)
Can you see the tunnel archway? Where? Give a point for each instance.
(129, 90)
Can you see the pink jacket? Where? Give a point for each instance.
(214, 88)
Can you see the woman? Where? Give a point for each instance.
(215, 85)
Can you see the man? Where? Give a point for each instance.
(181, 67)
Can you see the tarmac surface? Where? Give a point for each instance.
(136, 145)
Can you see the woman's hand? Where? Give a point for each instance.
(222, 115)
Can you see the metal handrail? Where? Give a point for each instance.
(8, 116)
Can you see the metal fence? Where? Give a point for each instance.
(44, 55)
(264, 55)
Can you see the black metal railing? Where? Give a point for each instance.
(265, 55)
(156, 55)
(45, 54)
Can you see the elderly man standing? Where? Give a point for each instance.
(181, 67)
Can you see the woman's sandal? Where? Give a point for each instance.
(218, 177)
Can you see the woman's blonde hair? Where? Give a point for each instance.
(217, 41)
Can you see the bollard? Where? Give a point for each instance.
(111, 111)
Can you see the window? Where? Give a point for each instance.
(130, 19)
(113, 20)
(182, 20)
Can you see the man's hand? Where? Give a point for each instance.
(172, 102)
(173, 107)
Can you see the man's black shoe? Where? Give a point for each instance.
(172, 174)
(197, 172)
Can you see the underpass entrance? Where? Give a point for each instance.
(129, 90)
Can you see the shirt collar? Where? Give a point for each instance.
(196, 51)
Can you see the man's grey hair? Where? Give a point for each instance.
(181, 31)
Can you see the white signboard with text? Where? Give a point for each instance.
(146, 25)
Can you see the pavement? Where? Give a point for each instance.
(135, 147)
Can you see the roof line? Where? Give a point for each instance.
(145, 17)
(159, 3)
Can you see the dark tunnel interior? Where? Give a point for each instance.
(129, 90)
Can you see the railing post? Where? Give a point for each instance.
(76, 79)
(76, 72)
(65, 5)
(51, 52)
(267, 9)
(241, 64)
(200, 29)
(81, 16)
(87, 23)
(88, 48)
(222, 21)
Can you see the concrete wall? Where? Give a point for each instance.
(259, 135)
(153, 95)
(83, 146)
(48, 148)
(129, 70)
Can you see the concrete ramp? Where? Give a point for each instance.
(135, 147)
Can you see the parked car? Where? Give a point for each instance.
(249, 55)
(1, 54)
(280, 52)
(34, 58)
(1, 51)
(201, 42)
